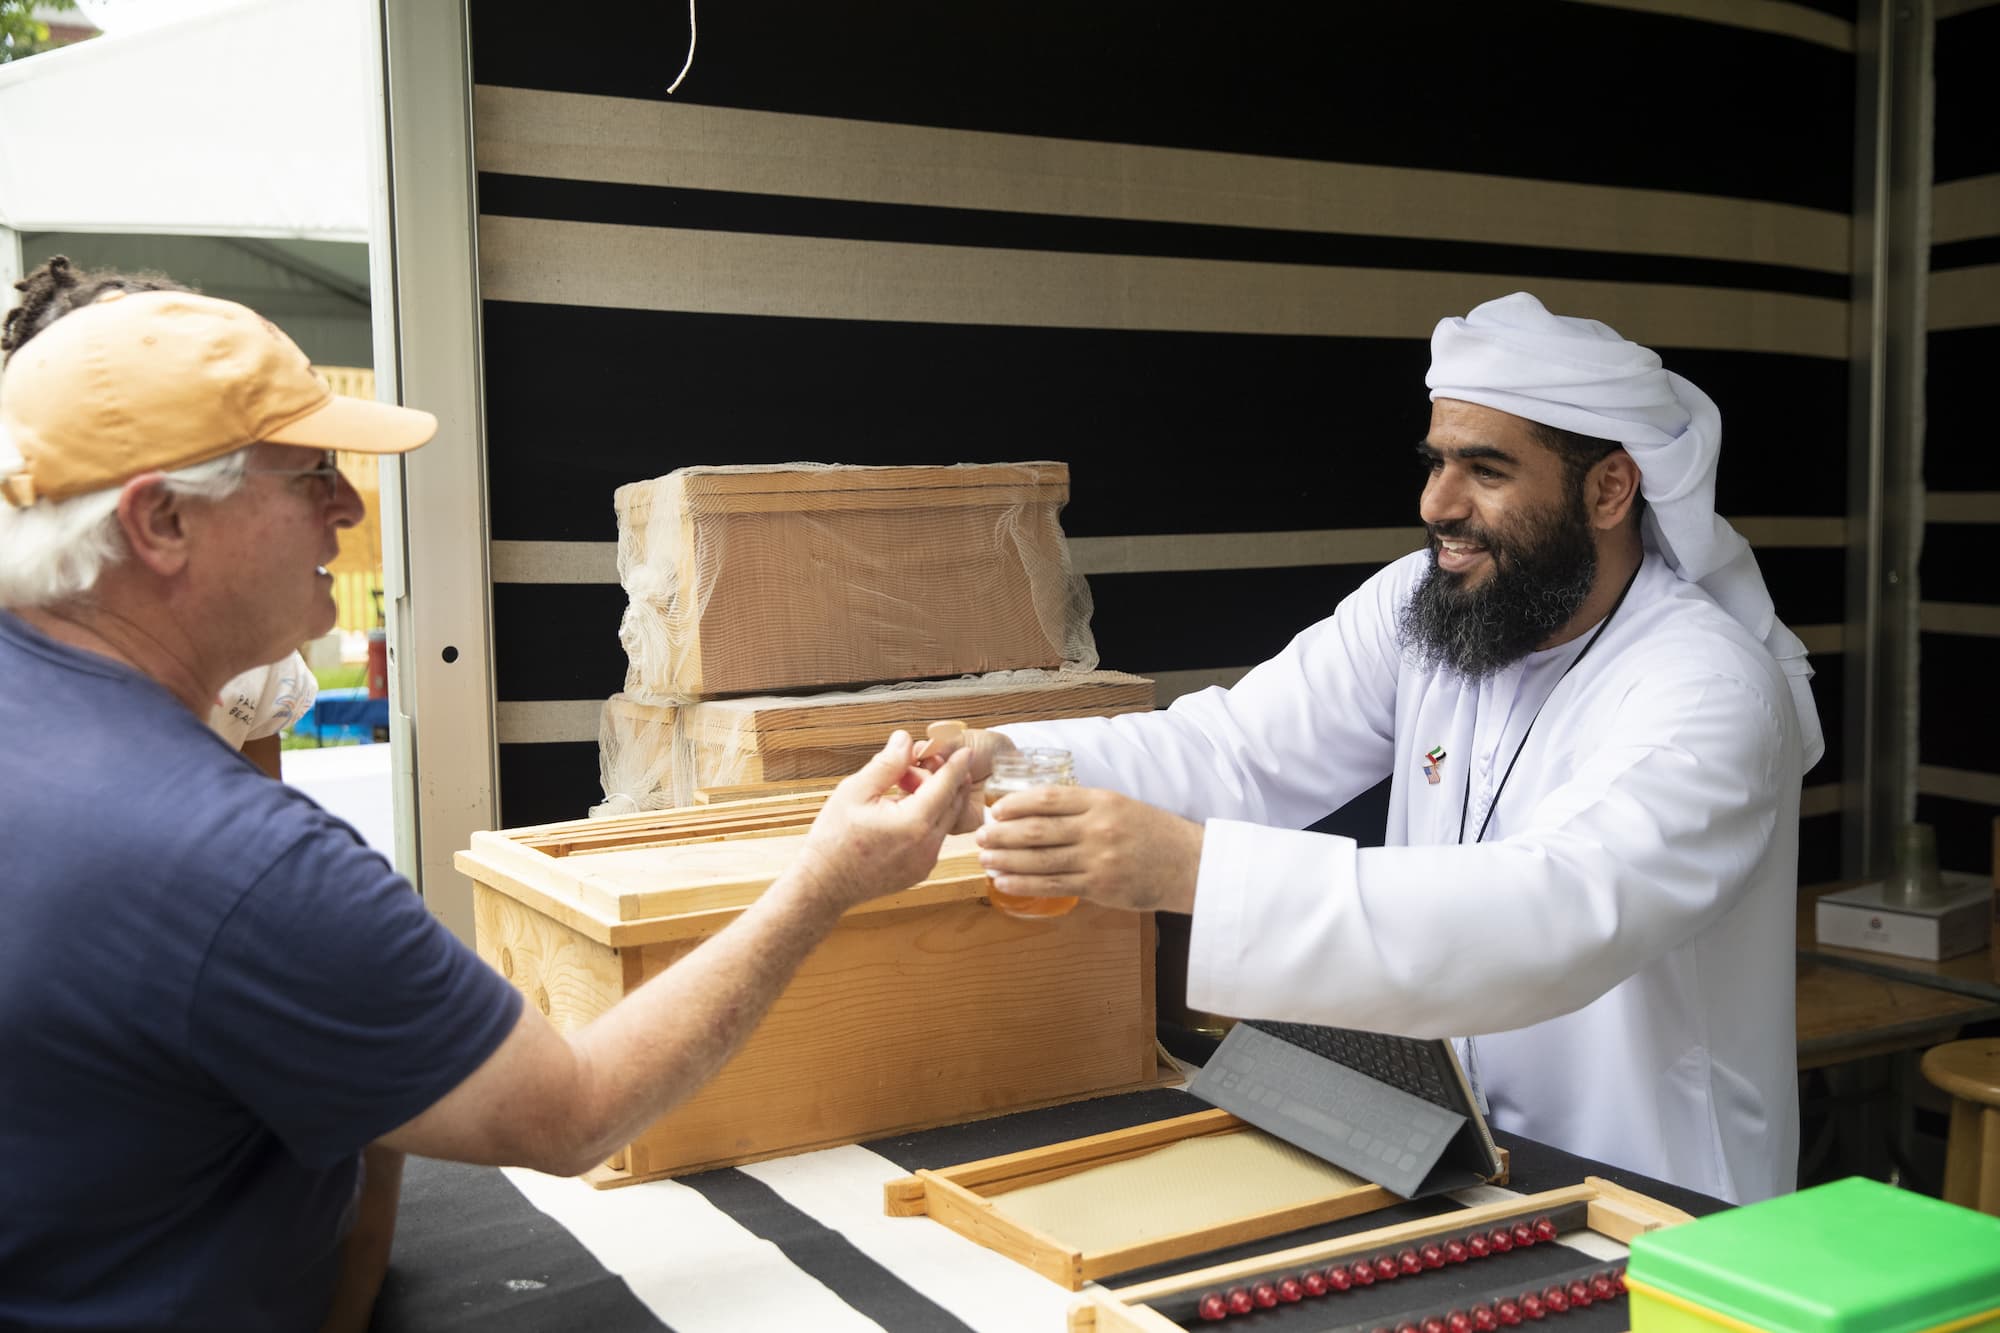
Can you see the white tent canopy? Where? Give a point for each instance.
(252, 120)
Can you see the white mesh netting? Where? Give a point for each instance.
(806, 575)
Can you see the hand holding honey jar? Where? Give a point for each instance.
(1019, 770)
(1093, 843)
(1005, 770)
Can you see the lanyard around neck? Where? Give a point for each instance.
(1465, 807)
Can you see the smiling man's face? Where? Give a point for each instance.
(1513, 554)
(262, 553)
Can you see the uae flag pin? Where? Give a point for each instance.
(1433, 760)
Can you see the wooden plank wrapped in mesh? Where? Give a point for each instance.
(776, 579)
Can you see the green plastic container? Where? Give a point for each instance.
(1855, 1256)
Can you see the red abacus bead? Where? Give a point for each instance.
(1388, 1268)
(1458, 1321)
(1477, 1246)
(1523, 1234)
(1618, 1279)
(1265, 1295)
(1603, 1286)
(1484, 1319)
(1410, 1261)
(1509, 1313)
(1432, 1255)
(1408, 1328)
(1364, 1274)
(1213, 1306)
(1502, 1240)
(1338, 1279)
(1556, 1299)
(1531, 1305)
(1240, 1301)
(1579, 1293)
(1455, 1252)
(1289, 1290)
(1544, 1229)
(1434, 1325)
(1314, 1282)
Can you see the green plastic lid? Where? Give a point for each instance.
(1855, 1256)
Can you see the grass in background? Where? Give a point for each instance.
(343, 677)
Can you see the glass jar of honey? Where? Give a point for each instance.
(1018, 770)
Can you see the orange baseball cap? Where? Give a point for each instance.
(142, 382)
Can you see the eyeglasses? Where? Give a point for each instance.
(326, 476)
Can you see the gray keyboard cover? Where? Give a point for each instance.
(1358, 1123)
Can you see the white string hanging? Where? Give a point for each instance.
(690, 60)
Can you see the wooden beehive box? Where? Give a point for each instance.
(661, 753)
(779, 579)
(921, 1009)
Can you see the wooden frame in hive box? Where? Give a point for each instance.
(923, 1008)
(779, 579)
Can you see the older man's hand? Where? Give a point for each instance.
(1081, 841)
(945, 739)
(871, 838)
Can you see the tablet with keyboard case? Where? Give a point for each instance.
(1396, 1111)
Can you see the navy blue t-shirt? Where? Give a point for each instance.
(213, 995)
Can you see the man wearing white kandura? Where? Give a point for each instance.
(1596, 728)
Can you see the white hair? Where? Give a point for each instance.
(54, 551)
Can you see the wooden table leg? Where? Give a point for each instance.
(1989, 1161)
(1972, 1157)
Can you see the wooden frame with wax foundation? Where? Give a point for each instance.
(970, 1198)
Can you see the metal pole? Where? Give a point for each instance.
(1893, 99)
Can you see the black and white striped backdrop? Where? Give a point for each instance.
(1193, 250)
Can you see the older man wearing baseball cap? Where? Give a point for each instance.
(217, 996)
(1595, 727)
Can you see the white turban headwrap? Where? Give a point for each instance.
(1579, 375)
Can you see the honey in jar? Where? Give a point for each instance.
(1018, 770)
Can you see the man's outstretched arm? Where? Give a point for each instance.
(565, 1104)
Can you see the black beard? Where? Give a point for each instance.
(1539, 581)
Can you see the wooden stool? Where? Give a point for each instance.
(1970, 1072)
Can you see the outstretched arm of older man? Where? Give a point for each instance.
(1081, 841)
(563, 1104)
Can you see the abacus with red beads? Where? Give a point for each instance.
(1495, 1311)
(1504, 1308)
(1409, 1260)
